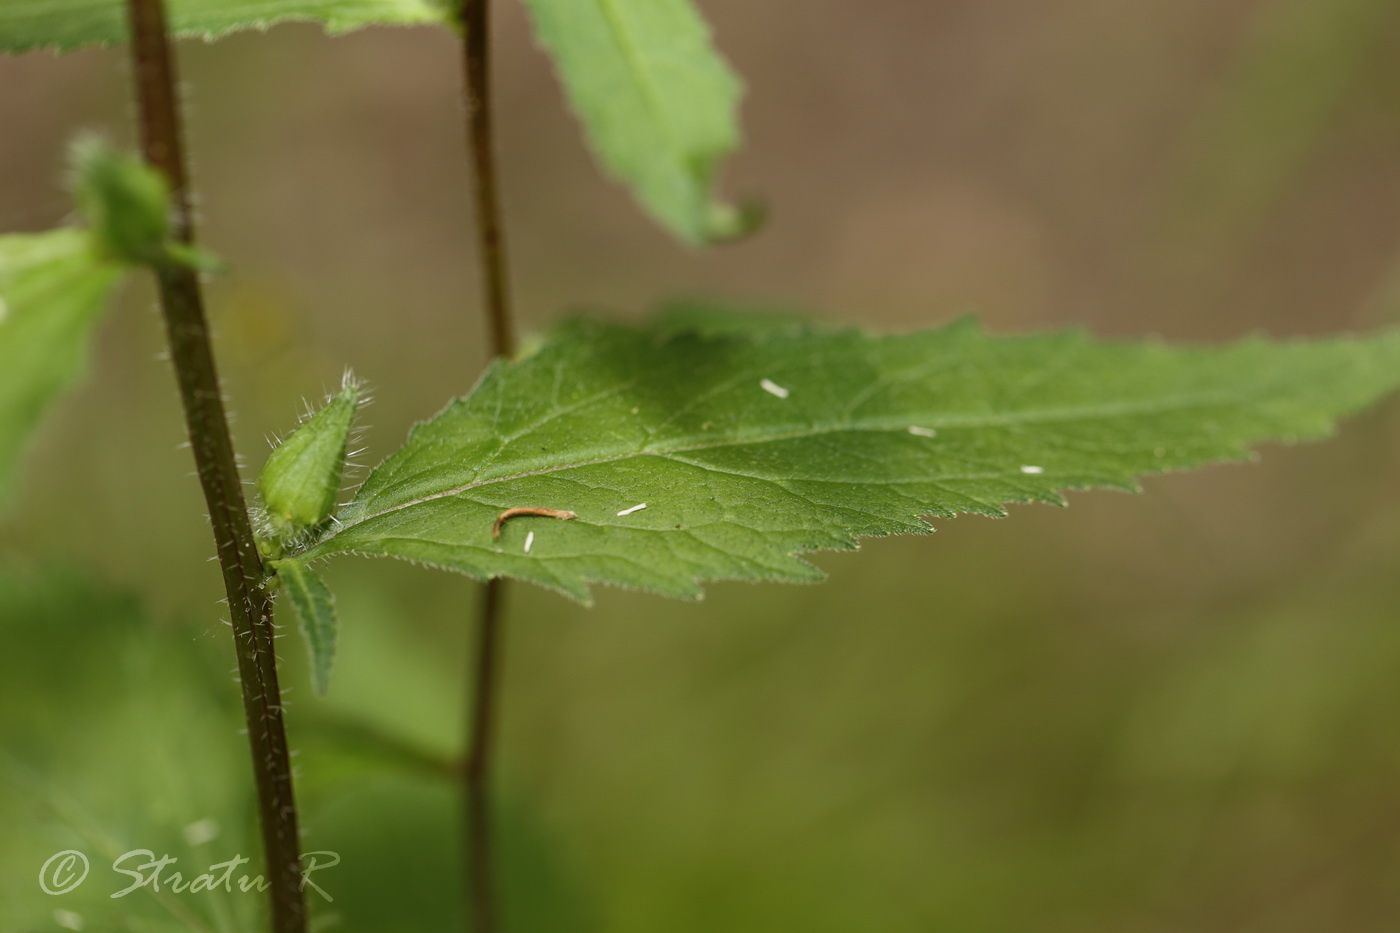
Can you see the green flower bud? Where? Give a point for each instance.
(301, 479)
(125, 201)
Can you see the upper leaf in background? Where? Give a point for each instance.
(63, 25)
(691, 457)
(53, 286)
(658, 103)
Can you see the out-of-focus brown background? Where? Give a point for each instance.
(1161, 713)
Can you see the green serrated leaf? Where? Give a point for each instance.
(688, 457)
(301, 479)
(314, 605)
(53, 286)
(657, 102)
(64, 25)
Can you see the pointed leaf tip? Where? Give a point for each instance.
(658, 103)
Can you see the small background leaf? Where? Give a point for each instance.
(748, 449)
(314, 605)
(658, 103)
(52, 289)
(125, 202)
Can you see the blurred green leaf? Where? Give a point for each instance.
(53, 286)
(314, 605)
(401, 835)
(657, 101)
(119, 736)
(1296, 67)
(688, 457)
(63, 25)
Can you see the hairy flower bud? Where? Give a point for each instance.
(301, 479)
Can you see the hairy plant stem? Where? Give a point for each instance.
(490, 236)
(250, 606)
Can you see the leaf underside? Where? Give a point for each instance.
(657, 102)
(52, 290)
(64, 25)
(874, 433)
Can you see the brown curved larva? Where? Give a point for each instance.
(527, 510)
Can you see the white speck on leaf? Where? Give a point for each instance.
(1032, 469)
(917, 431)
(529, 541)
(772, 388)
(635, 508)
(4, 309)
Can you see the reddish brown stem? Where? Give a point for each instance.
(490, 235)
(490, 231)
(250, 606)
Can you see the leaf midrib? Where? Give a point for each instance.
(1178, 403)
(633, 56)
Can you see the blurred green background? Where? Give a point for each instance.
(1161, 713)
